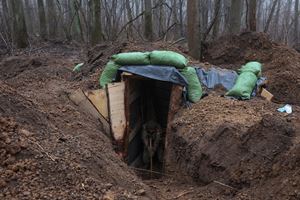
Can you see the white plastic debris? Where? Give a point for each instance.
(287, 108)
(77, 67)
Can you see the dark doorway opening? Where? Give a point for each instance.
(146, 100)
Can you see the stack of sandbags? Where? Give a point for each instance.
(246, 81)
(160, 58)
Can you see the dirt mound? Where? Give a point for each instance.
(98, 56)
(281, 65)
(244, 148)
(49, 149)
(15, 65)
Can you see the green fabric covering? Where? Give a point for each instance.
(170, 58)
(131, 58)
(254, 67)
(194, 87)
(109, 73)
(243, 86)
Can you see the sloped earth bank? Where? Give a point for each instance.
(281, 64)
(219, 148)
(246, 147)
(50, 150)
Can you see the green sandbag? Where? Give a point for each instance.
(170, 58)
(243, 86)
(254, 67)
(194, 87)
(109, 73)
(131, 58)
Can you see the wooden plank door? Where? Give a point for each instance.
(116, 104)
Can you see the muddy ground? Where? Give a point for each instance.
(219, 149)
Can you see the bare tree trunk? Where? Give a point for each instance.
(175, 19)
(29, 16)
(226, 5)
(270, 16)
(6, 17)
(204, 15)
(96, 30)
(148, 20)
(260, 25)
(296, 21)
(252, 15)
(217, 15)
(42, 18)
(161, 25)
(235, 16)
(20, 36)
(129, 16)
(52, 25)
(193, 22)
(276, 25)
(181, 2)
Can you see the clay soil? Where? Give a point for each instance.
(219, 148)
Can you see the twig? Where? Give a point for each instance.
(177, 41)
(166, 32)
(182, 194)
(223, 184)
(44, 151)
(6, 44)
(150, 171)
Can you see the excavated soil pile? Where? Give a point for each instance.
(50, 149)
(281, 65)
(245, 145)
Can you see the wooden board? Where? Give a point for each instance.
(99, 99)
(174, 107)
(79, 99)
(116, 102)
(266, 94)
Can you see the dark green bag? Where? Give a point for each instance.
(194, 87)
(109, 73)
(131, 58)
(169, 58)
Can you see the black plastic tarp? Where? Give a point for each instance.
(216, 76)
(161, 73)
(209, 78)
(225, 77)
